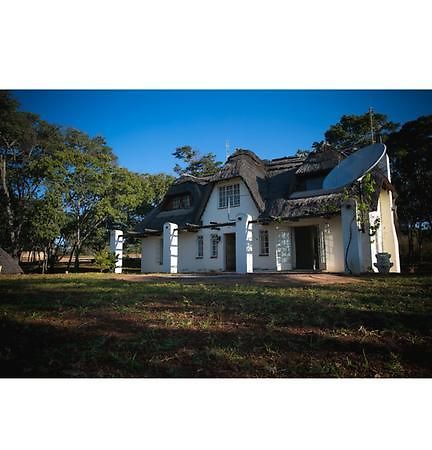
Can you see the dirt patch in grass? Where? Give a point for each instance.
(95, 325)
(260, 279)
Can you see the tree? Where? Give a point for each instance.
(83, 178)
(155, 186)
(59, 188)
(27, 147)
(95, 191)
(43, 229)
(410, 151)
(355, 130)
(133, 195)
(195, 163)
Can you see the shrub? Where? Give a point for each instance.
(105, 260)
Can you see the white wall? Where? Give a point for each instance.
(334, 245)
(263, 263)
(363, 248)
(213, 214)
(188, 262)
(386, 238)
(187, 248)
(353, 240)
(150, 254)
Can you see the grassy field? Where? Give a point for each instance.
(96, 325)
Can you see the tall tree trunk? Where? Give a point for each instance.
(410, 247)
(44, 261)
(78, 241)
(420, 244)
(77, 254)
(8, 209)
(51, 257)
(70, 257)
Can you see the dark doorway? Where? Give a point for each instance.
(230, 252)
(306, 245)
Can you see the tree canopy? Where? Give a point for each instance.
(410, 151)
(59, 187)
(355, 130)
(194, 163)
(28, 146)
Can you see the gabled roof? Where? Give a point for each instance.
(246, 165)
(271, 184)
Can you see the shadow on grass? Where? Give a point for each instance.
(326, 306)
(98, 326)
(36, 350)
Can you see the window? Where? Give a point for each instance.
(314, 183)
(160, 252)
(309, 183)
(178, 202)
(200, 247)
(263, 243)
(229, 196)
(214, 241)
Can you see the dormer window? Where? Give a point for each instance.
(229, 196)
(310, 183)
(178, 202)
(314, 183)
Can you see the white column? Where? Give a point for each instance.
(170, 247)
(143, 255)
(395, 256)
(244, 244)
(116, 246)
(376, 240)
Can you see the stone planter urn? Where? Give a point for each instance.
(383, 263)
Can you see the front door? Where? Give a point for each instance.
(230, 252)
(306, 243)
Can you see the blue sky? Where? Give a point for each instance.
(144, 127)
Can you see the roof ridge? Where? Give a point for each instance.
(285, 157)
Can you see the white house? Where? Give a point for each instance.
(269, 215)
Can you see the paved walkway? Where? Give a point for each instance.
(276, 279)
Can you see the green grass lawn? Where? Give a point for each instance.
(94, 325)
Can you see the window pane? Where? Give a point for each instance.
(264, 243)
(229, 196)
(214, 240)
(200, 248)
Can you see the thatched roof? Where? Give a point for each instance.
(9, 265)
(271, 184)
(320, 161)
(199, 192)
(246, 165)
(319, 205)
